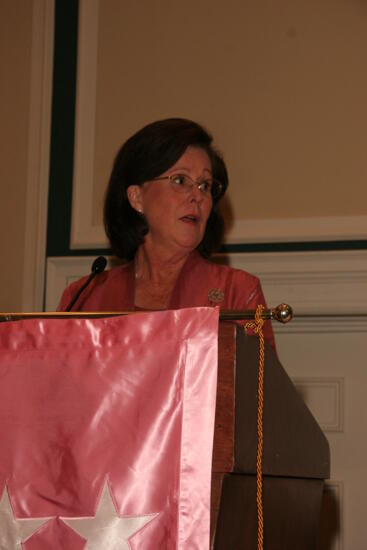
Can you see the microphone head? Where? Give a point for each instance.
(99, 264)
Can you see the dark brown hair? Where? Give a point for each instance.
(144, 156)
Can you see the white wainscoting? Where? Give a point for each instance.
(325, 398)
(313, 283)
(324, 351)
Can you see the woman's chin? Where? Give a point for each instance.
(188, 245)
(190, 239)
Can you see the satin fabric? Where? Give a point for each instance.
(200, 283)
(127, 401)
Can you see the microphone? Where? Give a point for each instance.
(98, 266)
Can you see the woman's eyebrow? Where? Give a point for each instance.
(180, 168)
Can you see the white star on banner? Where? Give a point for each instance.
(12, 530)
(106, 529)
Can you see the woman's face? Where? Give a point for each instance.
(176, 220)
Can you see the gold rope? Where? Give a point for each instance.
(257, 327)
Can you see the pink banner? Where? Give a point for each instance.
(106, 430)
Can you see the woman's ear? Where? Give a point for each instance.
(134, 195)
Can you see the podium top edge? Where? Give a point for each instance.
(282, 313)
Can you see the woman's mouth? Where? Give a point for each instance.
(190, 218)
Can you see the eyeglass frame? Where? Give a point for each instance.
(198, 184)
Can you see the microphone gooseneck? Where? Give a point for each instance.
(98, 266)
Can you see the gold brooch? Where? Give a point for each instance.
(216, 295)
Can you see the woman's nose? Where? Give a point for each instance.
(195, 193)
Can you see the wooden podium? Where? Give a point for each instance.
(295, 456)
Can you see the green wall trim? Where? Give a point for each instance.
(254, 248)
(62, 127)
(295, 246)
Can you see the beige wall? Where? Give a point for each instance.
(15, 61)
(282, 86)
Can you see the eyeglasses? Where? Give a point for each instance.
(182, 183)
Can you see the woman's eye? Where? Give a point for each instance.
(179, 179)
(206, 186)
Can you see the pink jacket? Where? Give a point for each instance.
(200, 283)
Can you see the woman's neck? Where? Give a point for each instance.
(156, 273)
(158, 266)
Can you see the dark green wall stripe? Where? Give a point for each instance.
(251, 248)
(295, 246)
(62, 127)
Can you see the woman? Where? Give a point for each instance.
(161, 216)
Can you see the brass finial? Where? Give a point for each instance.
(282, 313)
